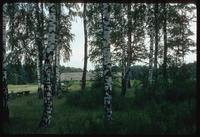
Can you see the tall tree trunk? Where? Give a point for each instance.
(85, 48)
(11, 11)
(39, 75)
(124, 87)
(58, 72)
(57, 52)
(129, 80)
(129, 47)
(127, 71)
(4, 93)
(156, 42)
(43, 48)
(150, 78)
(182, 39)
(165, 44)
(129, 43)
(55, 75)
(39, 45)
(123, 60)
(48, 100)
(107, 64)
(177, 55)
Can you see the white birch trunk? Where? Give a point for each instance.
(156, 29)
(48, 101)
(53, 76)
(57, 52)
(57, 71)
(5, 110)
(107, 64)
(39, 74)
(39, 44)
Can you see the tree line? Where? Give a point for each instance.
(26, 73)
(118, 34)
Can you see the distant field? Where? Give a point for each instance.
(16, 88)
(75, 85)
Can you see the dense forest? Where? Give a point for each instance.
(157, 97)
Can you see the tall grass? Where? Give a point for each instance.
(141, 111)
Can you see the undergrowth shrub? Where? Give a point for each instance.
(88, 98)
(143, 96)
(120, 103)
(181, 90)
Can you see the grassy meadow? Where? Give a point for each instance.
(81, 112)
(16, 88)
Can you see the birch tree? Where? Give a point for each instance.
(40, 47)
(156, 41)
(150, 78)
(165, 43)
(107, 63)
(118, 35)
(5, 110)
(56, 66)
(150, 32)
(129, 53)
(48, 101)
(58, 84)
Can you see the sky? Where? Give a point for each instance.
(77, 46)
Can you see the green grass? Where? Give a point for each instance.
(128, 117)
(16, 88)
(75, 85)
(25, 114)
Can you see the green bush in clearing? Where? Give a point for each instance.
(92, 98)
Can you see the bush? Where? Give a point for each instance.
(66, 85)
(143, 96)
(87, 98)
(98, 83)
(136, 83)
(92, 98)
(121, 103)
(180, 91)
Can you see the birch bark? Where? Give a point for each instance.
(48, 101)
(165, 44)
(156, 42)
(39, 45)
(5, 110)
(107, 64)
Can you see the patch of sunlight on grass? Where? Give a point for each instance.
(16, 88)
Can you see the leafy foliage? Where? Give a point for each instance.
(21, 74)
